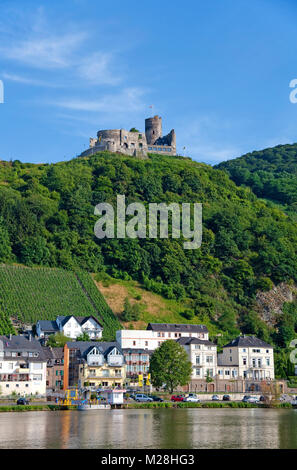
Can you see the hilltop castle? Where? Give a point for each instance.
(134, 142)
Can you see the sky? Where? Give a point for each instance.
(218, 72)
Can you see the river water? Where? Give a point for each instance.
(160, 428)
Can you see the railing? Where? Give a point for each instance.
(14, 378)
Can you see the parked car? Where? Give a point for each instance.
(252, 400)
(245, 398)
(22, 401)
(192, 397)
(215, 398)
(226, 398)
(262, 398)
(177, 397)
(142, 397)
(155, 398)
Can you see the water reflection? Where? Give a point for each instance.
(174, 428)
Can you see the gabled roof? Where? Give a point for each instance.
(23, 344)
(177, 327)
(248, 342)
(48, 326)
(105, 347)
(186, 340)
(80, 320)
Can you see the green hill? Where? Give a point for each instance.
(47, 219)
(270, 173)
(31, 294)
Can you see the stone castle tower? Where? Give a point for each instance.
(138, 144)
(153, 129)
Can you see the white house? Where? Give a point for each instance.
(246, 357)
(156, 333)
(22, 366)
(71, 326)
(203, 356)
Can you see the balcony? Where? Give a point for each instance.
(115, 361)
(14, 377)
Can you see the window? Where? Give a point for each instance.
(198, 371)
(37, 377)
(244, 350)
(197, 360)
(134, 343)
(197, 346)
(267, 361)
(209, 359)
(227, 372)
(220, 372)
(230, 358)
(146, 343)
(256, 350)
(267, 351)
(244, 361)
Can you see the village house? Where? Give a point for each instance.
(203, 356)
(137, 362)
(22, 366)
(54, 368)
(71, 326)
(156, 333)
(96, 364)
(246, 357)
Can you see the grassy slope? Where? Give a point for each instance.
(154, 307)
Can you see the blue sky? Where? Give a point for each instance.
(218, 72)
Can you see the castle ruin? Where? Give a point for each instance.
(133, 142)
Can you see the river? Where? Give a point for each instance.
(159, 428)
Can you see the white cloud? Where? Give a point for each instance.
(27, 80)
(44, 52)
(96, 68)
(127, 100)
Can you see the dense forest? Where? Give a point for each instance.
(270, 173)
(47, 219)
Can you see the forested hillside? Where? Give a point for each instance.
(270, 173)
(46, 219)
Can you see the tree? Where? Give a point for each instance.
(131, 312)
(5, 246)
(170, 366)
(83, 337)
(58, 340)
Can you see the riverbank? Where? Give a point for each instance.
(44, 407)
(150, 405)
